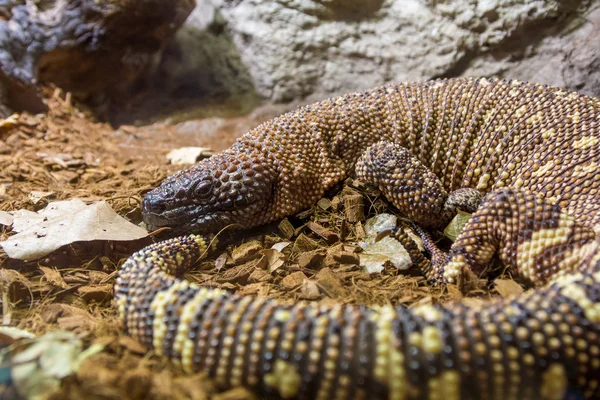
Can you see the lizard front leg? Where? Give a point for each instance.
(414, 189)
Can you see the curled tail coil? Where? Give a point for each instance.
(541, 344)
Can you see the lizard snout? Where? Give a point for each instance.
(153, 204)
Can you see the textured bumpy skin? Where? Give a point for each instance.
(432, 148)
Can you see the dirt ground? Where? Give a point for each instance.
(65, 154)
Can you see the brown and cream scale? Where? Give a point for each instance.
(523, 157)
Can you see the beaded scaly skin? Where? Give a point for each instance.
(432, 148)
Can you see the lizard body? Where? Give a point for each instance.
(432, 148)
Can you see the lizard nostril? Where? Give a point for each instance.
(154, 205)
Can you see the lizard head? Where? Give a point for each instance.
(228, 188)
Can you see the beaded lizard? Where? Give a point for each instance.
(431, 147)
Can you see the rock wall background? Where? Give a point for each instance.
(129, 61)
(304, 50)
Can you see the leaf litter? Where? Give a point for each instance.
(66, 222)
(64, 155)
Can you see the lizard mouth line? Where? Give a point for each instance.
(171, 216)
(193, 219)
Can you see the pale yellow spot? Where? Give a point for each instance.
(182, 344)
(540, 241)
(554, 382)
(158, 306)
(544, 169)
(284, 378)
(512, 311)
(446, 386)
(584, 170)
(415, 339)
(575, 117)
(547, 134)
(576, 293)
(585, 142)
(282, 315)
(432, 340)
(428, 312)
(179, 258)
(121, 302)
(201, 242)
(483, 181)
(521, 111)
(453, 269)
(389, 361)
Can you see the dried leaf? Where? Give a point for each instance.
(259, 275)
(53, 277)
(188, 155)
(324, 203)
(387, 250)
(275, 259)
(38, 370)
(5, 218)
(132, 345)
(280, 246)
(9, 123)
(330, 284)
(310, 290)
(311, 259)
(52, 312)
(456, 226)
(246, 251)
(240, 273)
(77, 324)
(36, 196)
(98, 277)
(379, 223)
(507, 287)
(220, 261)
(66, 222)
(15, 333)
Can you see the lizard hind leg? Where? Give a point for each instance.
(533, 238)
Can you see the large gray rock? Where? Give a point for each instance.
(566, 55)
(303, 48)
(309, 49)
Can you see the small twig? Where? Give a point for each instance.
(6, 313)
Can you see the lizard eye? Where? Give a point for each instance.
(203, 188)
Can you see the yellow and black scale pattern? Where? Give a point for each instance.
(432, 148)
